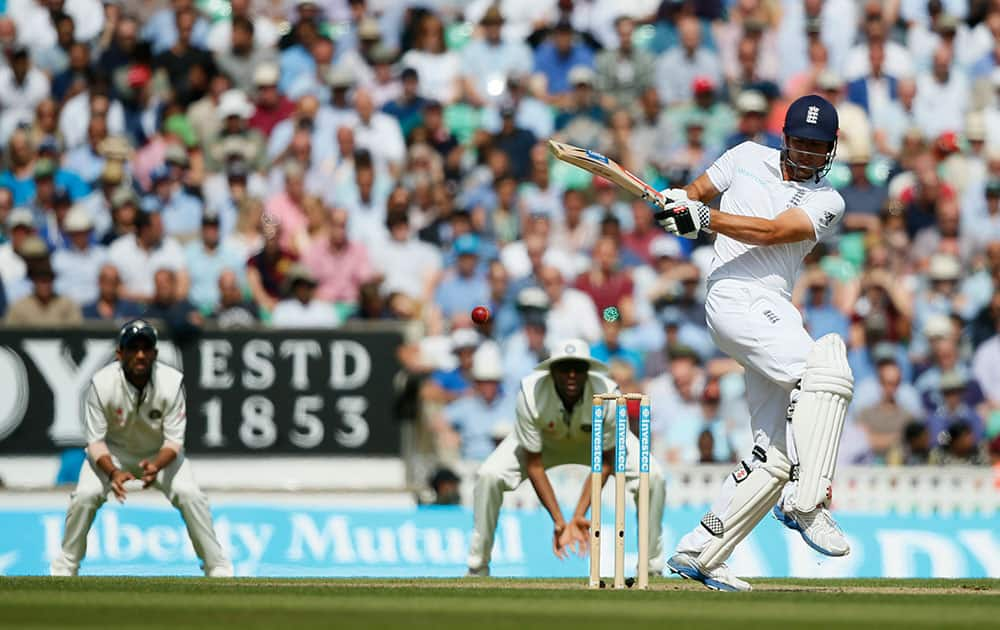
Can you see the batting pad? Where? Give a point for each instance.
(756, 492)
(818, 419)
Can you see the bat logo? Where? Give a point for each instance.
(594, 155)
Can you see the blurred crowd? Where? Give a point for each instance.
(305, 163)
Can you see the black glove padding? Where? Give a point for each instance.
(682, 217)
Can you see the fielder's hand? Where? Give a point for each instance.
(149, 471)
(575, 536)
(118, 479)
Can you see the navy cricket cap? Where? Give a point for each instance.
(812, 117)
(136, 329)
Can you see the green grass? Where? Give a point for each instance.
(291, 604)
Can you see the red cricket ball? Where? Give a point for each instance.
(480, 314)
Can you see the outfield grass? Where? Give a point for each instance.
(291, 604)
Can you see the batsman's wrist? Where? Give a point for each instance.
(704, 217)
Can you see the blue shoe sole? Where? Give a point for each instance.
(792, 524)
(690, 573)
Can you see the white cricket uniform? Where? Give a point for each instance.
(562, 437)
(132, 425)
(748, 307)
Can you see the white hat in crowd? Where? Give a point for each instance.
(665, 247)
(487, 365)
(78, 220)
(464, 338)
(234, 103)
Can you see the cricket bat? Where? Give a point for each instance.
(613, 171)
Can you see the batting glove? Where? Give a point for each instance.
(685, 218)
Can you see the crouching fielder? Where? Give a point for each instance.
(553, 428)
(775, 207)
(135, 421)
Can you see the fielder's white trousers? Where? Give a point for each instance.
(764, 332)
(176, 482)
(505, 469)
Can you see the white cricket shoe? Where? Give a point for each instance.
(818, 530)
(61, 568)
(483, 571)
(224, 571)
(718, 579)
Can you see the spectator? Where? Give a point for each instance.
(270, 105)
(467, 424)
(265, 31)
(944, 358)
(582, 120)
(161, 30)
(20, 227)
(874, 91)
(623, 74)
(406, 263)
(183, 54)
(181, 210)
(22, 88)
(438, 68)
(301, 309)
(610, 348)
(379, 133)
(453, 381)
(855, 129)
(942, 96)
(753, 109)
(863, 199)
(242, 58)
(407, 107)
(531, 112)
(487, 62)
(916, 444)
(574, 234)
(555, 57)
(138, 256)
(109, 304)
(818, 305)
(953, 394)
(884, 421)
(267, 270)
(340, 266)
(527, 343)
(78, 265)
(514, 141)
(677, 395)
(234, 310)
(678, 67)
(464, 287)
(44, 308)
(180, 316)
(207, 258)
(445, 486)
(958, 446)
(606, 283)
(692, 156)
(572, 314)
(234, 111)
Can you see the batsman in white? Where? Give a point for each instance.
(135, 420)
(775, 207)
(553, 428)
